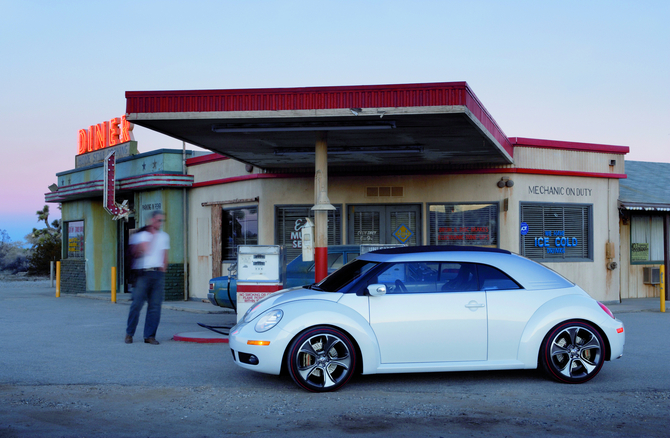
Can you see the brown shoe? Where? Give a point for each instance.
(129, 339)
(151, 341)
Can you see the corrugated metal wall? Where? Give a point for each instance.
(286, 99)
(567, 160)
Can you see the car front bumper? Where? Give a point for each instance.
(243, 342)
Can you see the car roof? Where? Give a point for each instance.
(530, 274)
(437, 248)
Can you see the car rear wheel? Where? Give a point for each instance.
(321, 359)
(573, 352)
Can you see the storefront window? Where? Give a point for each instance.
(75, 239)
(240, 227)
(464, 224)
(557, 232)
(646, 240)
(290, 220)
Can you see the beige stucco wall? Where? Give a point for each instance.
(594, 277)
(602, 193)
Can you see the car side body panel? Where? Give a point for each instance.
(509, 312)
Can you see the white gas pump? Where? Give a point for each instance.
(261, 270)
(308, 241)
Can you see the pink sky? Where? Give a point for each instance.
(572, 71)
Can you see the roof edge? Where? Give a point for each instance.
(568, 145)
(284, 90)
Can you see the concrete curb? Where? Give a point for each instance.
(191, 306)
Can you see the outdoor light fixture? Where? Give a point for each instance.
(352, 150)
(245, 128)
(504, 181)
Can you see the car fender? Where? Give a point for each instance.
(551, 313)
(301, 315)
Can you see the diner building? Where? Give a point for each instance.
(413, 164)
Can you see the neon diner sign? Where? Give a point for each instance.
(106, 134)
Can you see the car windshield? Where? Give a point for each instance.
(343, 276)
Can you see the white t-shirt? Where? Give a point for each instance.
(154, 257)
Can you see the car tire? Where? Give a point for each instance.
(321, 359)
(573, 352)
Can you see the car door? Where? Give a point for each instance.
(432, 312)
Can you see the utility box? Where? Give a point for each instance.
(651, 275)
(261, 270)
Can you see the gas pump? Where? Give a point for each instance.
(261, 270)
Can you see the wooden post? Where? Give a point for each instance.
(217, 219)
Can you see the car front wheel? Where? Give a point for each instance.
(321, 359)
(573, 352)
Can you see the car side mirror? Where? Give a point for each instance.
(377, 290)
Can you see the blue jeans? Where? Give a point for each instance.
(149, 287)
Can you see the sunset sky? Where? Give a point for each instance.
(595, 71)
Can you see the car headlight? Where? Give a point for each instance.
(269, 320)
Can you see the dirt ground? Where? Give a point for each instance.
(65, 372)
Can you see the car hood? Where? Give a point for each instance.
(288, 295)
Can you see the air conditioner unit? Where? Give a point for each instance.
(651, 275)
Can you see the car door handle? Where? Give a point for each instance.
(473, 305)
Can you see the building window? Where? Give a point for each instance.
(646, 239)
(557, 232)
(240, 227)
(75, 239)
(464, 224)
(289, 222)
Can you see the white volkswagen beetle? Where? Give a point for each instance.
(427, 309)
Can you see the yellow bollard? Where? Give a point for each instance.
(662, 288)
(113, 284)
(57, 279)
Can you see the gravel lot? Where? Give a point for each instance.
(65, 372)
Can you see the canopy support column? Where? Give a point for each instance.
(321, 207)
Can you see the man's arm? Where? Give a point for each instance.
(165, 261)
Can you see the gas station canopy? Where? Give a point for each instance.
(378, 128)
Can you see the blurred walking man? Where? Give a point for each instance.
(149, 248)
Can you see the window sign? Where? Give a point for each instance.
(646, 239)
(290, 221)
(556, 232)
(75, 239)
(464, 224)
(639, 252)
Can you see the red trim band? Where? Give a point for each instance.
(244, 288)
(253, 176)
(458, 172)
(202, 159)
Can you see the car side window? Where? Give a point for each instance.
(458, 277)
(491, 278)
(416, 277)
(335, 261)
